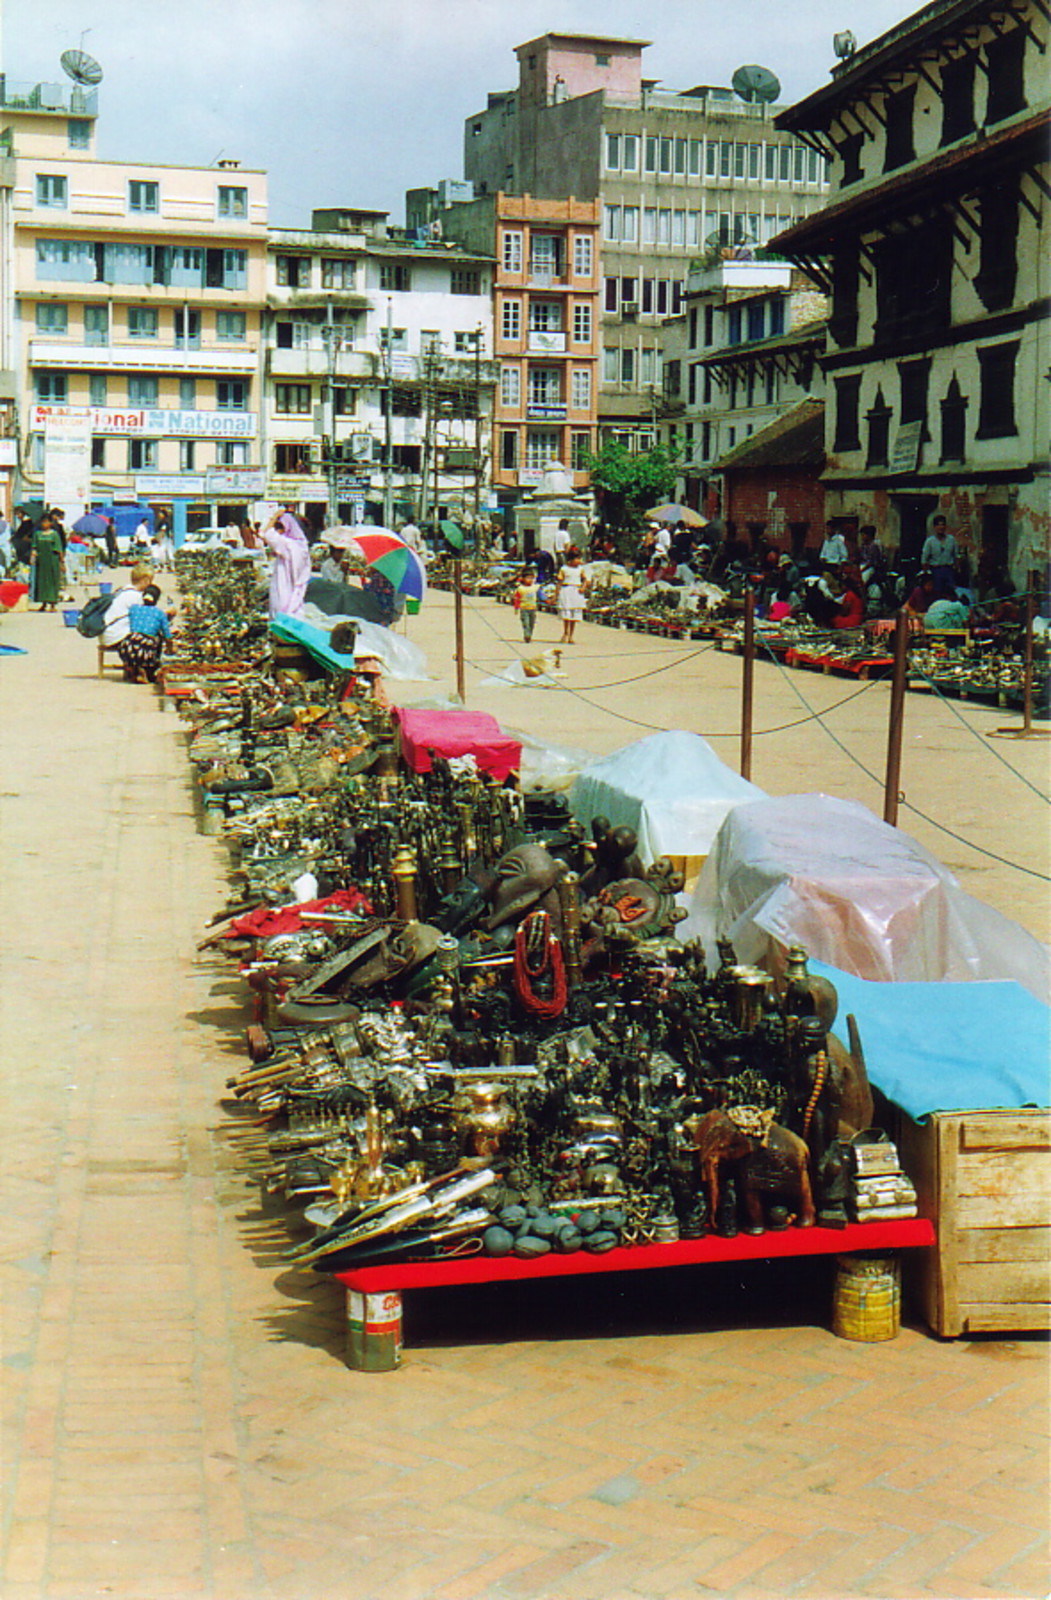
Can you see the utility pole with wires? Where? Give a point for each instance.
(388, 447)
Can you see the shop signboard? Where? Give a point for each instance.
(8, 453)
(152, 421)
(67, 461)
(168, 485)
(240, 481)
(906, 453)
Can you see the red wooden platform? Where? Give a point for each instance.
(397, 1276)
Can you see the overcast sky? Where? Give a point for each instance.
(355, 101)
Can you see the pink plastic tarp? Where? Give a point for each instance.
(457, 733)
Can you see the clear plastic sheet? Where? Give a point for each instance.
(857, 894)
(398, 656)
(548, 766)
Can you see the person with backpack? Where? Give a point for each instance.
(117, 626)
(148, 630)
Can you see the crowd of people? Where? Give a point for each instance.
(47, 556)
(849, 580)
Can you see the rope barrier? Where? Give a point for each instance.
(944, 699)
(811, 716)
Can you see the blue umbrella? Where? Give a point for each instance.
(91, 524)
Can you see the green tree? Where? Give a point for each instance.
(626, 484)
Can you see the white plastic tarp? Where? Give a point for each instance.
(857, 894)
(671, 788)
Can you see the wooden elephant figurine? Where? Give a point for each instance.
(774, 1161)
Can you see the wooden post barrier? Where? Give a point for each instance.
(892, 785)
(747, 682)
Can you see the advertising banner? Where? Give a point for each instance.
(67, 462)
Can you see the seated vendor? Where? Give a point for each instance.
(947, 612)
(850, 612)
(923, 594)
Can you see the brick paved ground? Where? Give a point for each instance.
(178, 1421)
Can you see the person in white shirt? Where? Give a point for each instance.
(142, 538)
(834, 552)
(561, 539)
(117, 625)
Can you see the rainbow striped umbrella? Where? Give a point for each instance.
(389, 554)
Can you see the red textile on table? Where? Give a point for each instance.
(457, 733)
(12, 592)
(267, 921)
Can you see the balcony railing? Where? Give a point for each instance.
(67, 99)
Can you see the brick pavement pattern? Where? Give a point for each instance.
(178, 1421)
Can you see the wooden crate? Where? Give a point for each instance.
(984, 1179)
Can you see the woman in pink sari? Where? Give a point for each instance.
(292, 573)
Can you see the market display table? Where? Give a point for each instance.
(456, 733)
(374, 1293)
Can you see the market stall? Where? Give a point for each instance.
(479, 1047)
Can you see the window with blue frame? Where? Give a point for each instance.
(51, 388)
(756, 319)
(143, 390)
(233, 202)
(777, 317)
(96, 325)
(142, 195)
(231, 326)
(733, 325)
(78, 134)
(66, 261)
(52, 317)
(231, 394)
(51, 190)
(142, 322)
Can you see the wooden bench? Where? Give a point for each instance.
(104, 651)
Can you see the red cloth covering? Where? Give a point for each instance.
(457, 733)
(267, 921)
(11, 593)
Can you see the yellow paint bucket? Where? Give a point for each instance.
(867, 1298)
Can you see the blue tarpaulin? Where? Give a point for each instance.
(949, 1046)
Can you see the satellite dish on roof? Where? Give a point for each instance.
(844, 44)
(81, 67)
(756, 85)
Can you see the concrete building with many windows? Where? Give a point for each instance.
(545, 332)
(934, 248)
(755, 331)
(379, 376)
(674, 175)
(135, 307)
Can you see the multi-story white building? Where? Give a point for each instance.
(379, 376)
(935, 249)
(135, 305)
(675, 173)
